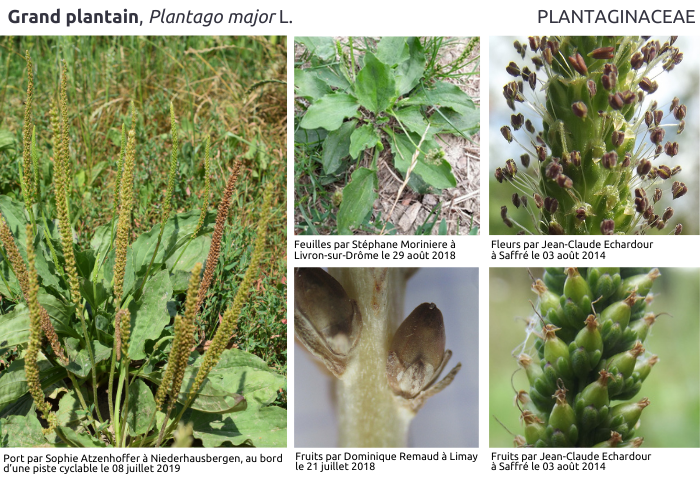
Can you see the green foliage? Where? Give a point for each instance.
(595, 166)
(588, 359)
(155, 279)
(387, 93)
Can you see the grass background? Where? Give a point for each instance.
(673, 387)
(231, 88)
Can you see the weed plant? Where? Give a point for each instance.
(366, 102)
(132, 355)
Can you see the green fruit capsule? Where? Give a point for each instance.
(614, 440)
(614, 320)
(586, 349)
(604, 282)
(534, 427)
(592, 404)
(636, 331)
(541, 388)
(549, 306)
(621, 367)
(556, 354)
(577, 290)
(644, 366)
(641, 284)
(624, 417)
(554, 279)
(562, 429)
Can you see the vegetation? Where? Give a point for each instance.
(137, 345)
(369, 102)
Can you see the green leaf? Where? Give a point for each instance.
(80, 440)
(439, 175)
(13, 383)
(21, 431)
(309, 137)
(358, 198)
(150, 314)
(67, 415)
(336, 147)
(309, 86)
(442, 94)
(393, 50)
(322, 47)
(266, 427)
(7, 140)
(14, 326)
(409, 73)
(330, 111)
(412, 119)
(449, 121)
(375, 86)
(79, 359)
(363, 137)
(141, 407)
(196, 252)
(13, 211)
(177, 232)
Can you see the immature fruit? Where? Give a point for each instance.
(598, 165)
(584, 368)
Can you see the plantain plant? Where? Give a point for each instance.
(105, 352)
(596, 165)
(386, 367)
(388, 94)
(588, 359)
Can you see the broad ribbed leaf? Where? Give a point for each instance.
(336, 147)
(329, 111)
(13, 383)
(22, 432)
(438, 174)
(412, 119)
(322, 47)
(393, 50)
(177, 232)
(442, 94)
(150, 314)
(358, 198)
(362, 138)
(409, 73)
(14, 326)
(141, 407)
(375, 86)
(309, 86)
(79, 358)
(266, 427)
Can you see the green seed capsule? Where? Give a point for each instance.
(624, 417)
(592, 404)
(549, 306)
(634, 443)
(562, 428)
(604, 281)
(556, 353)
(621, 367)
(417, 351)
(554, 279)
(644, 366)
(614, 320)
(641, 284)
(534, 427)
(586, 349)
(614, 440)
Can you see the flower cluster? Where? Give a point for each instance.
(596, 168)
